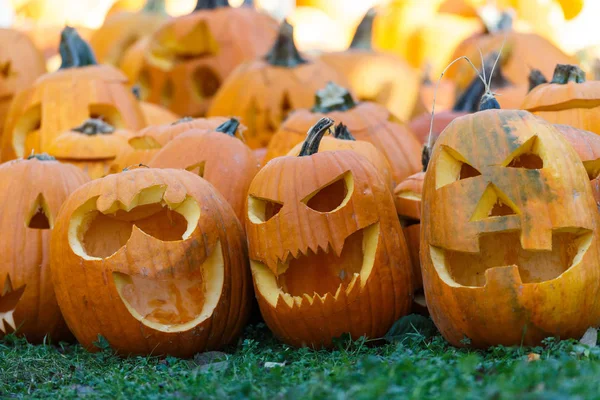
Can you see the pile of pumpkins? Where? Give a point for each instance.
(255, 171)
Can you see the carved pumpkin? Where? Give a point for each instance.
(189, 57)
(374, 76)
(61, 100)
(92, 147)
(568, 99)
(163, 254)
(20, 64)
(367, 121)
(264, 91)
(326, 248)
(509, 241)
(123, 29)
(144, 145)
(587, 146)
(217, 156)
(342, 139)
(34, 189)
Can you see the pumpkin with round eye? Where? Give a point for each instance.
(367, 121)
(20, 64)
(34, 188)
(58, 101)
(568, 99)
(144, 145)
(373, 75)
(217, 156)
(509, 232)
(264, 91)
(326, 249)
(92, 146)
(189, 57)
(163, 254)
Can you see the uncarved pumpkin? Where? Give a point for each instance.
(58, 101)
(264, 91)
(326, 248)
(165, 260)
(33, 191)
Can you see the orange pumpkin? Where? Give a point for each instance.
(216, 155)
(367, 121)
(383, 78)
(326, 248)
(189, 57)
(444, 99)
(92, 147)
(157, 115)
(509, 242)
(122, 30)
(264, 91)
(163, 254)
(587, 146)
(568, 99)
(27, 300)
(20, 64)
(58, 101)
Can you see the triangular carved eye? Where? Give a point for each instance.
(197, 168)
(452, 167)
(527, 156)
(261, 210)
(332, 196)
(39, 216)
(494, 203)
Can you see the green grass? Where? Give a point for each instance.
(418, 367)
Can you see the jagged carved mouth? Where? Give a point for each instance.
(502, 253)
(317, 275)
(174, 303)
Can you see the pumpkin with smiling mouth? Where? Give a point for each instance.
(326, 249)
(509, 244)
(154, 260)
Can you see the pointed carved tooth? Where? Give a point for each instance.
(353, 282)
(308, 298)
(10, 320)
(337, 292)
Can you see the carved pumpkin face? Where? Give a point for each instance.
(27, 299)
(509, 242)
(163, 254)
(326, 248)
(190, 56)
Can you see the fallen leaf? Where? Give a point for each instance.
(590, 337)
(533, 357)
(270, 364)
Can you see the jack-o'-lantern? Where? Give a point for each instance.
(61, 100)
(509, 233)
(33, 191)
(342, 139)
(165, 261)
(92, 147)
(367, 121)
(123, 29)
(217, 156)
(375, 76)
(568, 99)
(263, 92)
(326, 248)
(189, 57)
(20, 64)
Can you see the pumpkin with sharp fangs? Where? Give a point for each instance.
(509, 232)
(326, 248)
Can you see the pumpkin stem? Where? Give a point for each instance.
(536, 78)
(333, 98)
(565, 73)
(182, 120)
(41, 157)
(95, 126)
(314, 136)
(210, 4)
(155, 6)
(341, 132)
(363, 35)
(425, 157)
(229, 127)
(137, 92)
(284, 52)
(74, 51)
(489, 102)
(495, 21)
